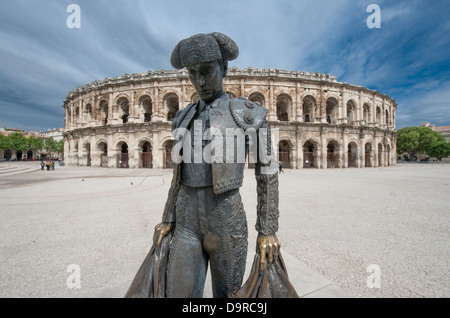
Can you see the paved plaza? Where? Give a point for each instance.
(340, 229)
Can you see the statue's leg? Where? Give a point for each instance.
(186, 270)
(226, 243)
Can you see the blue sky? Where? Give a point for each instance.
(41, 59)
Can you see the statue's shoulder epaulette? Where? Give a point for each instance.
(180, 115)
(246, 113)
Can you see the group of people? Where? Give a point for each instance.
(47, 163)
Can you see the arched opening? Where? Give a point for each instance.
(87, 148)
(257, 98)
(103, 149)
(145, 104)
(123, 156)
(379, 116)
(30, 155)
(88, 113)
(366, 114)
(351, 112)
(195, 98)
(333, 154)
(380, 155)
(352, 155)
(331, 110)
(171, 105)
(309, 157)
(7, 155)
(368, 155)
(77, 115)
(103, 111)
(168, 163)
(283, 107)
(388, 122)
(232, 95)
(124, 109)
(146, 155)
(309, 106)
(284, 153)
(19, 155)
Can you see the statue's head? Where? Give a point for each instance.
(205, 57)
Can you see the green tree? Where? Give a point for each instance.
(408, 141)
(18, 141)
(34, 143)
(50, 144)
(427, 139)
(414, 140)
(5, 142)
(439, 149)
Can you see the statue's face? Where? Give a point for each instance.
(207, 79)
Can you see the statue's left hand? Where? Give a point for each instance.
(268, 247)
(161, 230)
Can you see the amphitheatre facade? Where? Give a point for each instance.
(322, 123)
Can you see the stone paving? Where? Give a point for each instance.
(335, 224)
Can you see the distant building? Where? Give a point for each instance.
(18, 155)
(56, 133)
(443, 130)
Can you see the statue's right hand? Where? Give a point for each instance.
(161, 230)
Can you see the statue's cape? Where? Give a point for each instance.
(272, 282)
(150, 280)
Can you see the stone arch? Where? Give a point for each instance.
(146, 108)
(233, 93)
(310, 153)
(102, 149)
(195, 98)
(167, 146)
(104, 111)
(368, 154)
(332, 106)
(366, 113)
(86, 152)
(88, 112)
(333, 154)
(122, 150)
(309, 109)
(257, 97)
(351, 111)
(145, 151)
(76, 115)
(171, 103)
(285, 152)
(352, 154)
(284, 107)
(123, 108)
(378, 115)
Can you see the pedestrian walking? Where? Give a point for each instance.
(280, 166)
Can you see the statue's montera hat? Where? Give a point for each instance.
(201, 48)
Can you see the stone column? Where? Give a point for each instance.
(272, 108)
(110, 109)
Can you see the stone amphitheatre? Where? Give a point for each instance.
(321, 123)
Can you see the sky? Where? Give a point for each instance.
(42, 59)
